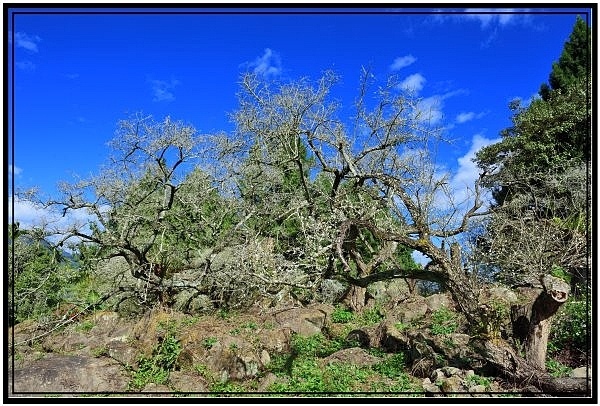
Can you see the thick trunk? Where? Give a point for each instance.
(532, 323)
(355, 299)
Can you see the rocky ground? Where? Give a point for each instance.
(403, 349)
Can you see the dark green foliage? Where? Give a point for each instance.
(574, 63)
(539, 175)
(552, 132)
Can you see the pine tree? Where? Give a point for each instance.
(574, 63)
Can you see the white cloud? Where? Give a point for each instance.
(267, 65)
(28, 42)
(464, 117)
(456, 192)
(468, 116)
(413, 83)
(402, 62)
(430, 108)
(29, 214)
(489, 17)
(468, 171)
(162, 90)
(419, 258)
(14, 170)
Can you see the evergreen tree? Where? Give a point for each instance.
(539, 175)
(574, 63)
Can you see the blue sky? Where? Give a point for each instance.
(76, 75)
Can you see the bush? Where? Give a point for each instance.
(157, 368)
(571, 328)
(341, 315)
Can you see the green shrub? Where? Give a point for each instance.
(341, 315)
(392, 367)
(371, 316)
(315, 346)
(209, 342)
(556, 369)
(157, 368)
(571, 327)
(474, 380)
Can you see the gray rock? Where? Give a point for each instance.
(452, 384)
(304, 321)
(269, 379)
(451, 371)
(356, 356)
(581, 372)
(430, 387)
(187, 382)
(65, 373)
(477, 389)
(437, 301)
(412, 309)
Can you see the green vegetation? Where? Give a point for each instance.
(156, 369)
(443, 321)
(557, 369)
(85, 326)
(209, 342)
(473, 380)
(341, 315)
(572, 326)
(392, 367)
(297, 210)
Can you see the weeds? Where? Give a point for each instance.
(341, 315)
(443, 321)
(209, 342)
(157, 368)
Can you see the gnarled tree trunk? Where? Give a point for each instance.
(521, 372)
(531, 323)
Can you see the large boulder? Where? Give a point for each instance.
(69, 374)
(235, 358)
(305, 321)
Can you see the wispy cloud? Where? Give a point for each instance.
(402, 62)
(267, 65)
(468, 116)
(72, 76)
(490, 17)
(14, 170)
(25, 66)
(430, 108)
(26, 41)
(162, 90)
(413, 83)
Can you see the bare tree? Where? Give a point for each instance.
(373, 187)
